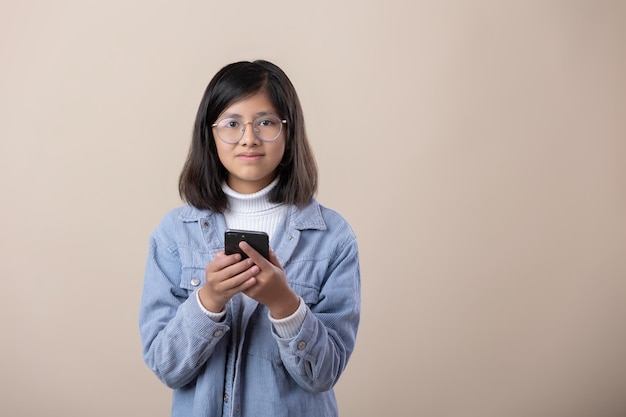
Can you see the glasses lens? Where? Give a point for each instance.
(229, 130)
(268, 127)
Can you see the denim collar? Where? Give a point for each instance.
(308, 217)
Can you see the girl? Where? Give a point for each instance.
(255, 336)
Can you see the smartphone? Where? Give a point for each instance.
(258, 240)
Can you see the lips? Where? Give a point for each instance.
(249, 156)
(245, 154)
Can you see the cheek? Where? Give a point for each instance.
(280, 152)
(221, 152)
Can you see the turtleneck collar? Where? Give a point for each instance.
(250, 203)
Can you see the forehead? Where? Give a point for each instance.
(251, 106)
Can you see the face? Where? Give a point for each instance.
(251, 163)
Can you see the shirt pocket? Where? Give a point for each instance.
(310, 295)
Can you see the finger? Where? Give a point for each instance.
(274, 259)
(222, 261)
(246, 285)
(256, 257)
(240, 282)
(232, 275)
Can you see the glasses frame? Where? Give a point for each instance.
(243, 128)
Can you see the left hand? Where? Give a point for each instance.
(271, 288)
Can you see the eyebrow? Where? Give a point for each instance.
(239, 116)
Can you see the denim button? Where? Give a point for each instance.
(206, 224)
(195, 281)
(218, 333)
(301, 345)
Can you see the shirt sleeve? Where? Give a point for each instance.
(316, 357)
(178, 339)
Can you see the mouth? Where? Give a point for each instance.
(249, 156)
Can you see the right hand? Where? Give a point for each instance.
(226, 275)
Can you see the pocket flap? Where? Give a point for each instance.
(309, 295)
(192, 278)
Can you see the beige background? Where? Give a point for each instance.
(478, 148)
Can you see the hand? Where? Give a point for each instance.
(271, 288)
(226, 275)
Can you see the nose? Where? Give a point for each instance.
(248, 136)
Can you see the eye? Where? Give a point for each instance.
(229, 124)
(266, 122)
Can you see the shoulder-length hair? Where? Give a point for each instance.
(203, 174)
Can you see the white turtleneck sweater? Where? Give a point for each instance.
(253, 211)
(256, 212)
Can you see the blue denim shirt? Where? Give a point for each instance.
(241, 366)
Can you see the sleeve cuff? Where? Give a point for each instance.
(289, 327)
(216, 317)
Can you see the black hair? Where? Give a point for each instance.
(201, 179)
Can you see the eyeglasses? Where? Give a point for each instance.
(266, 128)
